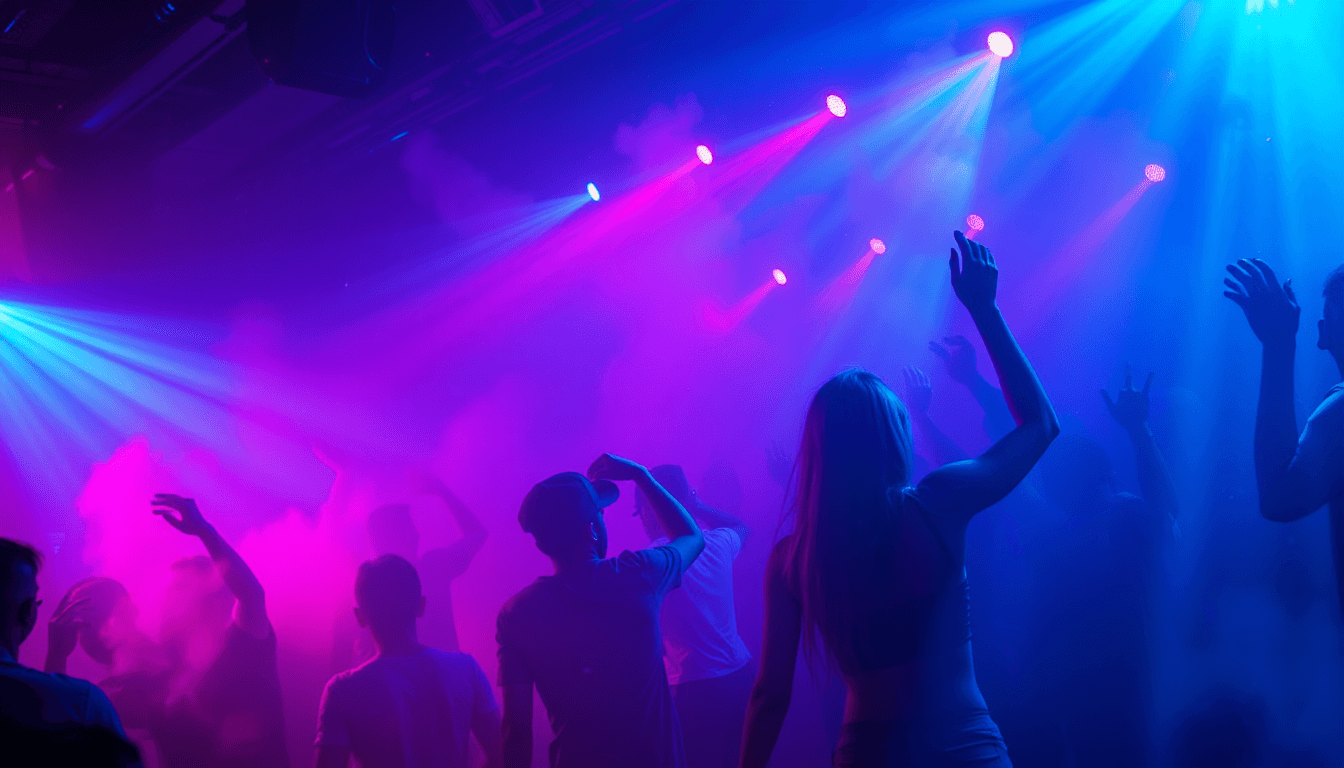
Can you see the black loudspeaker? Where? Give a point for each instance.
(340, 47)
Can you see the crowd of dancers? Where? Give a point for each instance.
(637, 658)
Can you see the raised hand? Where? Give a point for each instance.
(958, 355)
(918, 390)
(1130, 406)
(609, 467)
(975, 277)
(188, 518)
(1270, 308)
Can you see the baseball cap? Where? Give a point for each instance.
(564, 502)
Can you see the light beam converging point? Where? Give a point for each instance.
(1155, 173)
(704, 154)
(1000, 44)
(836, 105)
(878, 246)
(593, 193)
(780, 277)
(975, 222)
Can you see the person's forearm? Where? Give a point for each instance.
(760, 733)
(234, 571)
(1155, 482)
(998, 419)
(467, 520)
(676, 521)
(1275, 428)
(945, 450)
(1023, 392)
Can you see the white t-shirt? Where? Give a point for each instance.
(700, 639)
(416, 711)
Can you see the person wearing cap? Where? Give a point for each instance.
(588, 637)
(708, 665)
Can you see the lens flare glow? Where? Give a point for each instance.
(1000, 44)
(593, 193)
(780, 277)
(1155, 173)
(704, 154)
(975, 222)
(836, 105)
(877, 246)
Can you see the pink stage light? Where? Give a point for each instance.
(1155, 173)
(1000, 44)
(780, 277)
(704, 154)
(836, 105)
(877, 246)
(975, 222)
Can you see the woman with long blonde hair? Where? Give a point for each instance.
(872, 580)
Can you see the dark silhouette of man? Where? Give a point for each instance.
(45, 718)
(410, 705)
(588, 637)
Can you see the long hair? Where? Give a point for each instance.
(853, 463)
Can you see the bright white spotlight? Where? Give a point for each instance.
(836, 105)
(1155, 173)
(1000, 44)
(704, 154)
(878, 246)
(780, 277)
(593, 193)
(975, 222)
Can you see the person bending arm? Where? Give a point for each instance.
(1130, 411)
(250, 610)
(685, 536)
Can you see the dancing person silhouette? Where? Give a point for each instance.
(873, 577)
(1295, 474)
(587, 638)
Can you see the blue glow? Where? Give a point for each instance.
(399, 135)
(593, 193)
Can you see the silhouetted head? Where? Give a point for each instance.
(110, 615)
(196, 604)
(1331, 325)
(564, 514)
(856, 455)
(19, 564)
(1076, 474)
(673, 479)
(393, 532)
(388, 597)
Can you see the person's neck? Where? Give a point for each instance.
(1339, 362)
(575, 564)
(403, 643)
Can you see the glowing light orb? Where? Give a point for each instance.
(593, 193)
(780, 277)
(1155, 173)
(836, 105)
(878, 246)
(975, 222)
(704, 154)
(1000, 44)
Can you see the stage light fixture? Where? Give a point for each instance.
(836, 105)
(1000, 44)
(975, 222)
(878, 246)
(704, 154)
(1155, 173)
(780, 277)
(593, 193)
